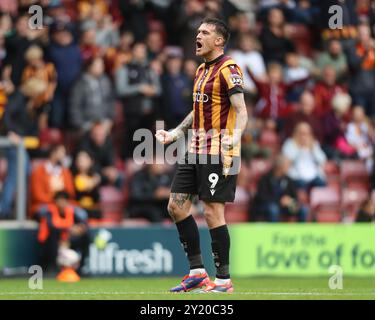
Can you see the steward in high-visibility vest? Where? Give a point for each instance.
(55, 220)
(62, 224)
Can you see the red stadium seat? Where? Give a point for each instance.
(325, 204)
(236, 212)
(118, 128)
(354, 174)
(112, 203)
(119, 164)
(352, 198)
(49, 137)
(72, 140)
(119, 113)
(300, 35)
(258, 167)
(270, 140)
(332, 171)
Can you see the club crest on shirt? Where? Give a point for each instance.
(235, 79)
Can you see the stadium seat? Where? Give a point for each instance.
(119, 164)
(332, 172)
(258, 167)
(236, 212)
(300, 35)
(270, 140)
(325, 204)
(118, 128)
(72, 140)
(49, 137)
(112, 203)
(119, 113)
(353, 173)
(352, 198)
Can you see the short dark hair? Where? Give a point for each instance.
(63, 194)
(54, 148)
(220, 26)
(87, 64)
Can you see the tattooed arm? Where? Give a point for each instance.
(185, 124)
(166, 137)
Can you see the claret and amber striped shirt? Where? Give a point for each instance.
(213, 114)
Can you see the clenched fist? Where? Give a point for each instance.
(165, 137)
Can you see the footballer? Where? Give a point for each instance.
(217, 121)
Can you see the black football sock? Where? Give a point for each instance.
(189, 237)
(220, 251)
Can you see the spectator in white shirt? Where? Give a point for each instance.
(358, 135)
(294, 70)
(307, 158)
(248, 56)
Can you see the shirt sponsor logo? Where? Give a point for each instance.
(200, 97)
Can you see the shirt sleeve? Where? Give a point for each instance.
(233, 79)
(80, 215)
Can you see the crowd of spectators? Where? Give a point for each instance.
(78, 88)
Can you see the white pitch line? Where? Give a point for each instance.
(164, 293)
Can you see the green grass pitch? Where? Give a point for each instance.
(155, 288)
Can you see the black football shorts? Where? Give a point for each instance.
(203, 176)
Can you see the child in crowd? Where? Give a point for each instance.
(86, 183)
(296, 70)
(358, 135)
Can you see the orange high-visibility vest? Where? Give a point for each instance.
(59, 222)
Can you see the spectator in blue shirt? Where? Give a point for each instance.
(177, 91)
(66, 56)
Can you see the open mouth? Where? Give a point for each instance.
(199, 45)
